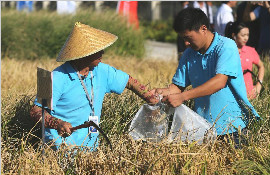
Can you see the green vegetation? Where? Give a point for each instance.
(42, 34)
(159, 30)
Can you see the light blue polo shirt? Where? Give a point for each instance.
(229, 107)
(70, 102)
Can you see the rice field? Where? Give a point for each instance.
(21, 144)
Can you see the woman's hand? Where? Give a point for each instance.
(255, 91)
(258, 88)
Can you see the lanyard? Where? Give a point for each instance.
(91, 100)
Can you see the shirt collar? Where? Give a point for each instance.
(212, 45)
(244, 49)
(71, 71)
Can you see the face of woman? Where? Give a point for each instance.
(242, 37)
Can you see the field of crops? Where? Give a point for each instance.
(21, 154)
(29, 40)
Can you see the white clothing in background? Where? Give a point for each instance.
(66, 7)
(204, 9)
(224, 15)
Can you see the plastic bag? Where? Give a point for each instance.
(189, 126)
(151, 123)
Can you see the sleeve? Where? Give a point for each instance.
(180, 77)
(117, 80)
(228, 62)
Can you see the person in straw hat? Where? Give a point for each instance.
(79, 87)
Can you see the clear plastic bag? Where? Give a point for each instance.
(189, 126)
(151, 123)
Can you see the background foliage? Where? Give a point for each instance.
(42, 34)
(160, 30)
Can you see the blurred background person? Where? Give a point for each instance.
(179, 41)
(129, 9)
(239, 32)
(223, 16)
(25, 6)
(253, 26)
(262, 12)
(66, 7)
(206, 7)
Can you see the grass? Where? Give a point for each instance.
(21, 151)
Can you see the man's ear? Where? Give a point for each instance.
(203, 28)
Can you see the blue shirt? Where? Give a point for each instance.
(227, 107)
(70, 103)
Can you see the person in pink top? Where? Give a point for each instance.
(239, 32)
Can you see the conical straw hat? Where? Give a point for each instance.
(83, 41)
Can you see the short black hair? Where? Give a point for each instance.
(190, 19)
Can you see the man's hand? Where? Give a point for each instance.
(174, 100)
(162, 91)
(153, 96)
(172, 89)
(63, 128)
(168, 94)
(208, 88)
